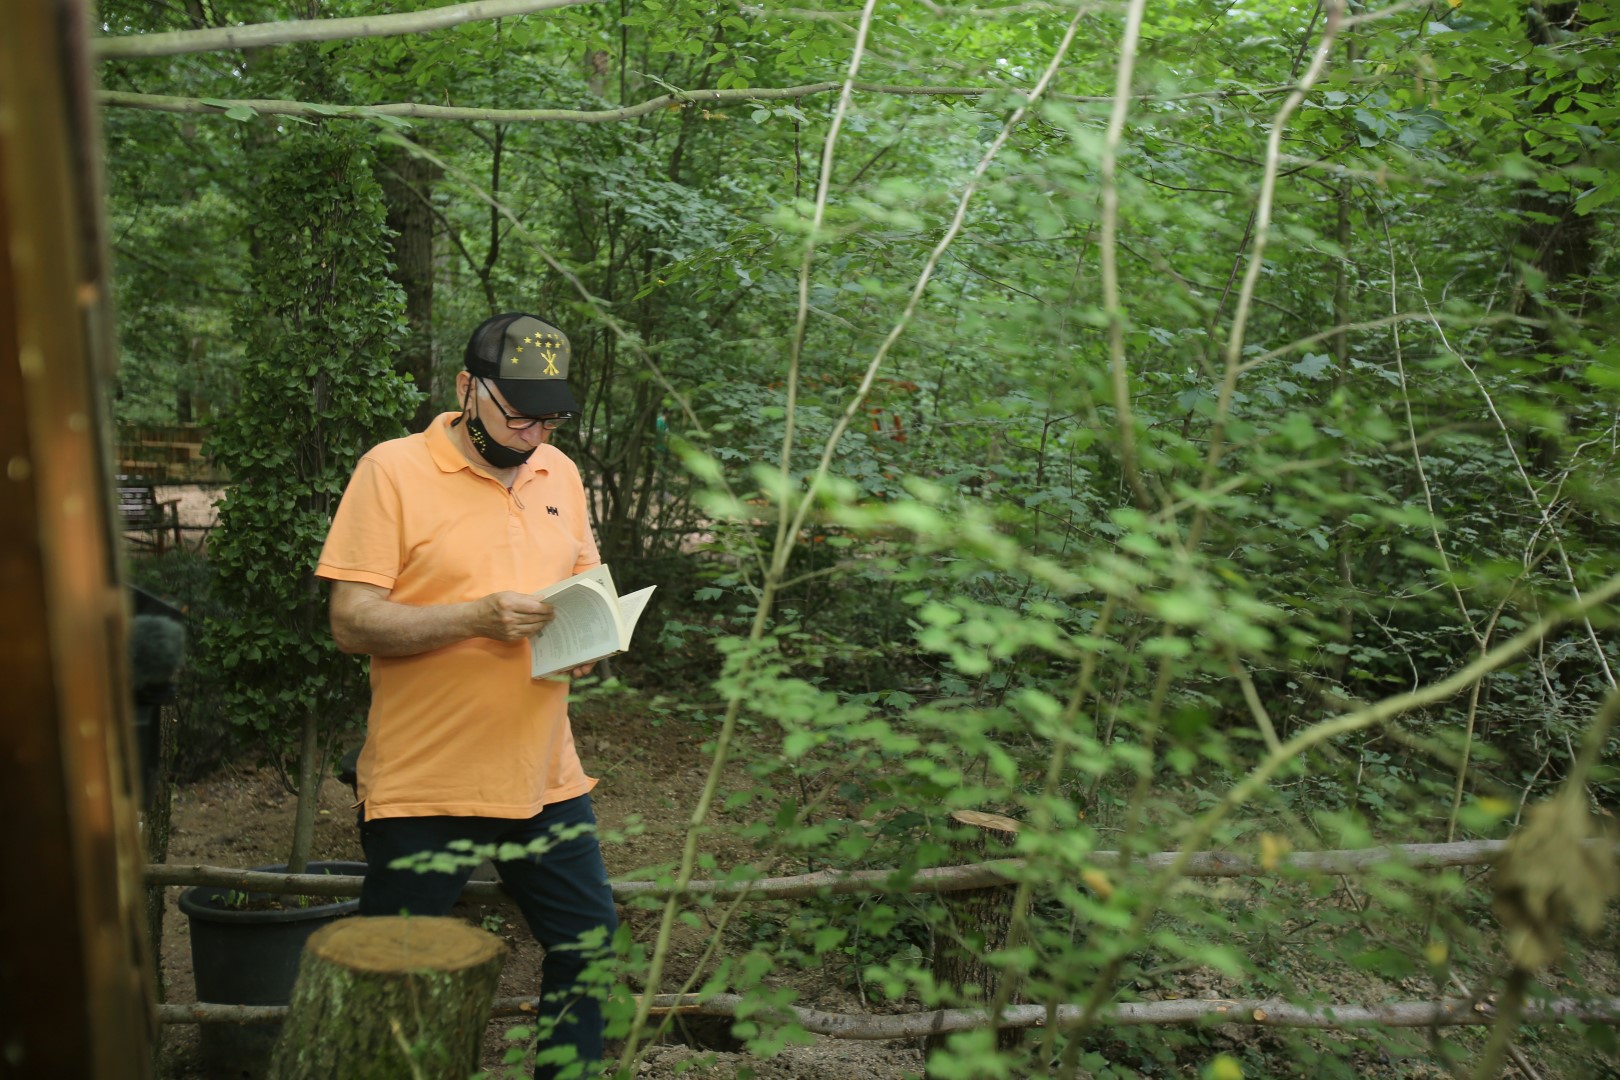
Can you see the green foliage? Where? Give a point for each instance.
(315, 390)
(1159, 590)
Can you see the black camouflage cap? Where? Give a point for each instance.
(527, 359)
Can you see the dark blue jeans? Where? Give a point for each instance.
(563, 893)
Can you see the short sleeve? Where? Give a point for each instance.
(364, 542)
(589, 556)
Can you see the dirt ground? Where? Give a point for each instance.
(243, 816)
(197, 509)
(198, 502)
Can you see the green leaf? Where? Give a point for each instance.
(1313, 365)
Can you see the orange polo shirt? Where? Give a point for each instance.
(462, 730)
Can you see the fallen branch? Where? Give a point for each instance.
(1252, 1012)
(259, 35)
(1208, 864)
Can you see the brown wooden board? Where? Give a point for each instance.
(76, 995)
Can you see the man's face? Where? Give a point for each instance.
(497, 414)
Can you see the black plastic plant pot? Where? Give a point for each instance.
(247, 957)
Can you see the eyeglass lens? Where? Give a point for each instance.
(523, 423)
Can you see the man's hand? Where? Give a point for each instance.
(366, 620)
(511, 616)
(583, 670)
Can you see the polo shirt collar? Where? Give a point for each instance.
(449, 458)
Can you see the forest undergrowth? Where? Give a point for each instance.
(1172, 431)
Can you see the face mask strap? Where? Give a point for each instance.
(465, 398)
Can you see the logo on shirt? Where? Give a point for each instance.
(552, 510)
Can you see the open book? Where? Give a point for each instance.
(593, 621)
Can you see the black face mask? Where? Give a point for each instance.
(501, 457)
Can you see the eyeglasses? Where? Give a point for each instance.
(524, 423)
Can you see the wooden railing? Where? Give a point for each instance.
(166, 453)
(939, 879)
(1448, 1012)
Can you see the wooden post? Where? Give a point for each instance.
(157, 828)
(390, 996)
(977, 922)
(75, 976)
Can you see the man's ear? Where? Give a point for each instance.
(463, 394)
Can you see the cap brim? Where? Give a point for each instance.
(537, 397)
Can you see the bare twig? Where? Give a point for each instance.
(1381, 712)
(1482, 639)
(1542, 509)
(1385, 13)
(802, 316)
(674, 100)
(1530, 786)
(1375, 324)
(259, 35)
(772, 578)
(417, 110)
(1119, 376)
(1262, 231)
(1251, 696)
(912, 303)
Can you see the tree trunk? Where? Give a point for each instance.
(407, 185)
(1555, 242)
(976, 924)
(310, 762)
(386, 997)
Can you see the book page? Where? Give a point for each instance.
(630, 609)
(584, 629)
(598, 573)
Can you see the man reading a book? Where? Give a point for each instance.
(440, 541)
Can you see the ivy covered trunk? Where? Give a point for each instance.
(318, 389)
(407, 183)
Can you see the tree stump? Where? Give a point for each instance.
(389, 997)
(976, 923)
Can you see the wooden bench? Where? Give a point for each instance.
(147, 520)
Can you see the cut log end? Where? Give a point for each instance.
(397, 945)
(978, 819)
(389, 997)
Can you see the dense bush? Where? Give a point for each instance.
(316, 390)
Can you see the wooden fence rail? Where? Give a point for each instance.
(1449, 1012)
(1253, 1012)
(1216, 864)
